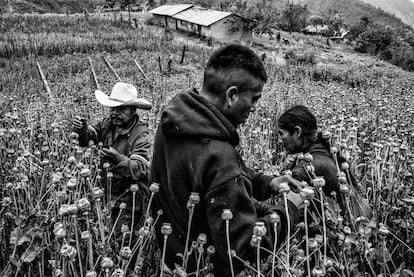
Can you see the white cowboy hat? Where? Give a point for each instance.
(122, 94)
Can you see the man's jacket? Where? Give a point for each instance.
(134, 146)
(194, 151)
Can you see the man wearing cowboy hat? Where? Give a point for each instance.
(126, 145)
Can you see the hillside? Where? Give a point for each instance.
(353, 10)
(403, 9)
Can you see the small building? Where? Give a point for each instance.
(223, 26)
(163, 14)
(315, 29)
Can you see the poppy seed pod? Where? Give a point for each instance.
(383, 231)
(334, 150)
(211, 250)
(154, 187)
(274, 218)
(347, 230)
(97, 192)
(308, 157)
(342, 180)
(317, 272)
(45, 162)
(72, 160)
(202, 239)
(73, 209)
(344, 188)
(118, 273)
(125, 253)
(67, 251)
(313, 244)
(319, 182)
(143, 231)
(310, 168)
(149, 221)
(85, 235)
(307, 193)
(107, 263)
(86, 172)
(194, 198)
(64, 210)
(90, 273)
(106, 165)
(254, 241)
(59, 231)
(344, 166)
(134, 188)
(259, 229)
(109, 175)
(84, 205)
(72, 184)
(124, 228)
(319, 238)
(284, 187)
(226, 214)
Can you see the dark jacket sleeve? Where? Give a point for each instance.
(260, 183)
(299, 173)
(233, 195)
(137, 165)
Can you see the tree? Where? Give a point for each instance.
(294, 17)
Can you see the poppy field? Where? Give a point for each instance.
(55, 217)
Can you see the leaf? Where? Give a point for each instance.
(30, 254)
(351, 238)
(406, 273)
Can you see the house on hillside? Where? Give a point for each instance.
(315, 29)
(163, 14)
(223, 26)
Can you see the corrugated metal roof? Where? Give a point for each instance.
(170, 10)
(201, 16)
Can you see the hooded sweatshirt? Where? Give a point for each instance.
(194, 151)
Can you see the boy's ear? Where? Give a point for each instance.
(231, 94)
(298, 131)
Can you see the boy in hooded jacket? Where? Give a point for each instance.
(195, 151)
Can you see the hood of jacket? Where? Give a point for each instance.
(191, 115)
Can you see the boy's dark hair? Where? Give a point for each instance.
(299, 116)
(224, 61)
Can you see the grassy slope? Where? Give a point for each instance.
(404, 9)
(48, 6)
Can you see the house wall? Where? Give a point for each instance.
(187, 26)
(171, 22)
(159, 19)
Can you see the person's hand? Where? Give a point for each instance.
(111, 154)
(294, 184)
(78, 123)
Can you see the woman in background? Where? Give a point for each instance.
(298, 132)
